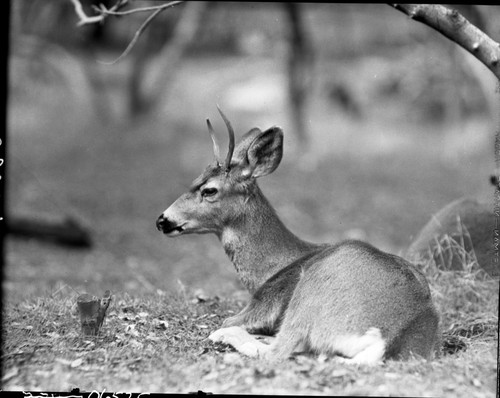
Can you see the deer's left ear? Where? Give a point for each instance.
(264, 153)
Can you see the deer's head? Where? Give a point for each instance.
(220, 195)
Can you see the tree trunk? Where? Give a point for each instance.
(150, 79)
(300, 67)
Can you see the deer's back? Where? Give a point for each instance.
(350, 285)
(353, 287)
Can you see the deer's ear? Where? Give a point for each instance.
(264, 153)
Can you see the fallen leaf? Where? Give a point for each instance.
(153, 337)
(160, 324)
(210, 376)
(44, 373)
(10, 374)
(76, 363)
(322, 358)
(136, 344)
(130, 330)
(340, 373)
(232, 358)
(203, 351)
(89, 345)
(262, 372)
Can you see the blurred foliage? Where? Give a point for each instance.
(338, 29)
(417, 67)
(382, 114)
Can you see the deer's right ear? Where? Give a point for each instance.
(264, 153)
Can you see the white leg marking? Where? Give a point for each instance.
(371, 356)
(368, 349)
(264, 338)
(241, 340)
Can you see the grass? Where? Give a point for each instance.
(146, 333)
(159, 343)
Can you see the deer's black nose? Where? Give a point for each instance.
(169, 227)
(160, 223)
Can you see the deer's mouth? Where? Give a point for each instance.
(168, 227)
(174, 231)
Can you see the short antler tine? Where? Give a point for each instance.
(230, 131)
(214, 142)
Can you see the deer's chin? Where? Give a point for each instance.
(186, 230)
(175, 231)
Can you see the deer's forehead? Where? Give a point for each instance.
(210, 173)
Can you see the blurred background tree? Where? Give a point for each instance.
(385, 122)
(293, 32)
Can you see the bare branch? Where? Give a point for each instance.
(170, 54)
(85, 20)
(454, 26)
(136, 37)
(103, 13)
(102, 9)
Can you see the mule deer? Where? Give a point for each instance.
(457, 235)
(347, 299)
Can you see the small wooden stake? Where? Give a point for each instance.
(92, 312)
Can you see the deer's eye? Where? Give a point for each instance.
(208, 192)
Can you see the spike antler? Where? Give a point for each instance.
(214, 142)
(230, 131)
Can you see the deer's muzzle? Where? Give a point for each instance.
(168, 227)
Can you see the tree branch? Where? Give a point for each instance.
(300, 68)
(451, 24)
(103, 10)
(172, 52)
(135, 38)
(85, 20)
(103, 13)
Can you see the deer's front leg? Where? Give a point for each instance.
(241, 341)
(257, 317)
(242, 319)
(240, 331)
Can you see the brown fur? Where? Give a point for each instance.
(349, 298)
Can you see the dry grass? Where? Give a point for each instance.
(158, 343)
(41, 337)
(467, 298)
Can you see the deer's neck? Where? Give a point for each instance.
(258, 244)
